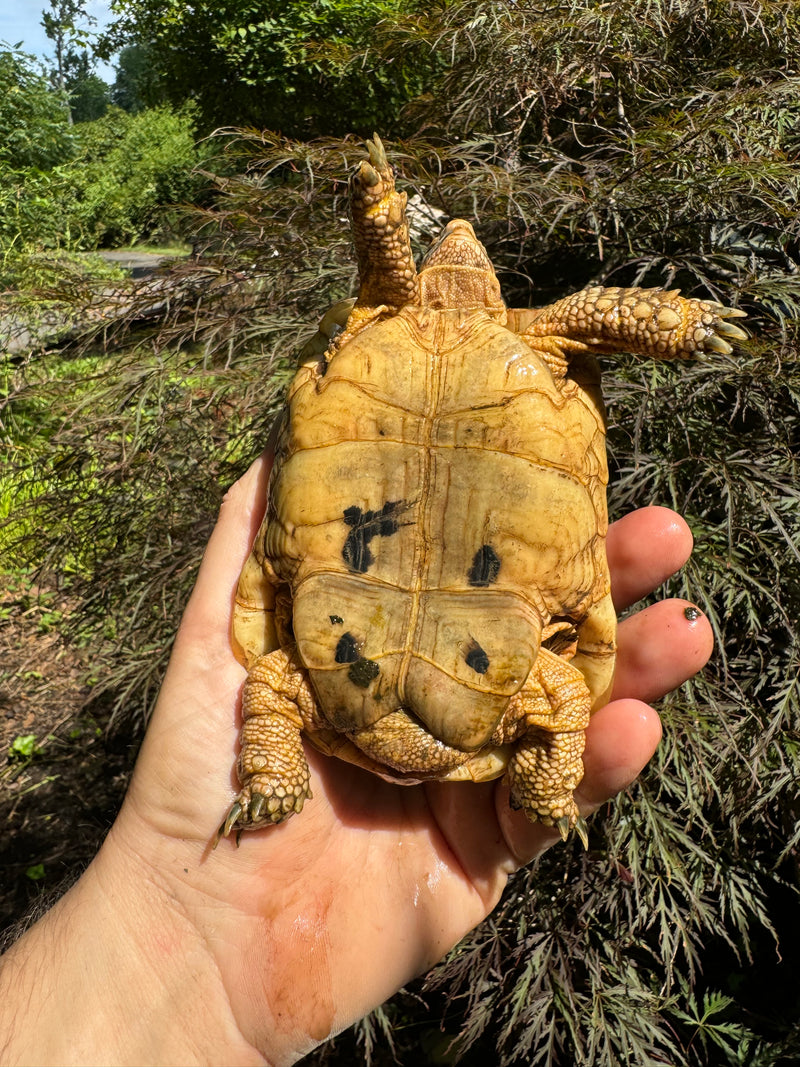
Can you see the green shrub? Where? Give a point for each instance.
(31, 209)
(35, 139)
(124, 179)
(34, 120)
(129, 171)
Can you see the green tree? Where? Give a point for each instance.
(283, 64)
(34, 130)
(137, 83)
(61, 24)
(88, 93)
(35, 137)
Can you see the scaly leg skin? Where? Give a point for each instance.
(647, 322)
(399, 742)
(277, 704)
(549, 715)
(380, 232)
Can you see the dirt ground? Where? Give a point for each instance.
(62, 775)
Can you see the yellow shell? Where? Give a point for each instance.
(437, 499)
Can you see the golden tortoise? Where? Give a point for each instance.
(428, 596)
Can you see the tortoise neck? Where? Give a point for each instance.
(449, 287)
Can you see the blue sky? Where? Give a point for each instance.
(20, 20)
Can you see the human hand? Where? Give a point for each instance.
(267, 949)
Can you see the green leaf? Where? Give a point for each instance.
(24, 747)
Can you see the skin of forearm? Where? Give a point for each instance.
(114, 976)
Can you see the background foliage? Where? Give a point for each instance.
(89, 184)
(33, 132)
(128, 171)
(301, 68)
(653, 142)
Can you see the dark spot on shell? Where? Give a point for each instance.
(477, 658)
(346, 649)
(485, 567)
(691, 613)
(366, 525)
(336, 620)
(363, 671)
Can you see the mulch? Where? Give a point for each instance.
(57, 802)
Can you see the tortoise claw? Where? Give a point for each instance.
(377, 153)
(565, 825)
(255, 810)
(240, 816)
(369, 176)
(727, 329)
(582, 830)
(257, 802)
(717, 341)
(230, 822)
(712, 343)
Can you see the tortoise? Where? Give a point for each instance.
(428, 595)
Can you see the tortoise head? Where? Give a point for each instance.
(457, 272)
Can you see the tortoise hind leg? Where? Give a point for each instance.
(277, 705)
(548, 717)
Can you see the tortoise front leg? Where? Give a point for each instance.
(648, 322)
(549, 716)
(277, 704)
(380, 232)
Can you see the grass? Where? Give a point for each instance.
(38, 277)
(170, 250)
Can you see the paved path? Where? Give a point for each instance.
(138, 264)
(19, 334)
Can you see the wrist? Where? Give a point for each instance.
(115, 974)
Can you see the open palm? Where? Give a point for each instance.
(312, 923)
